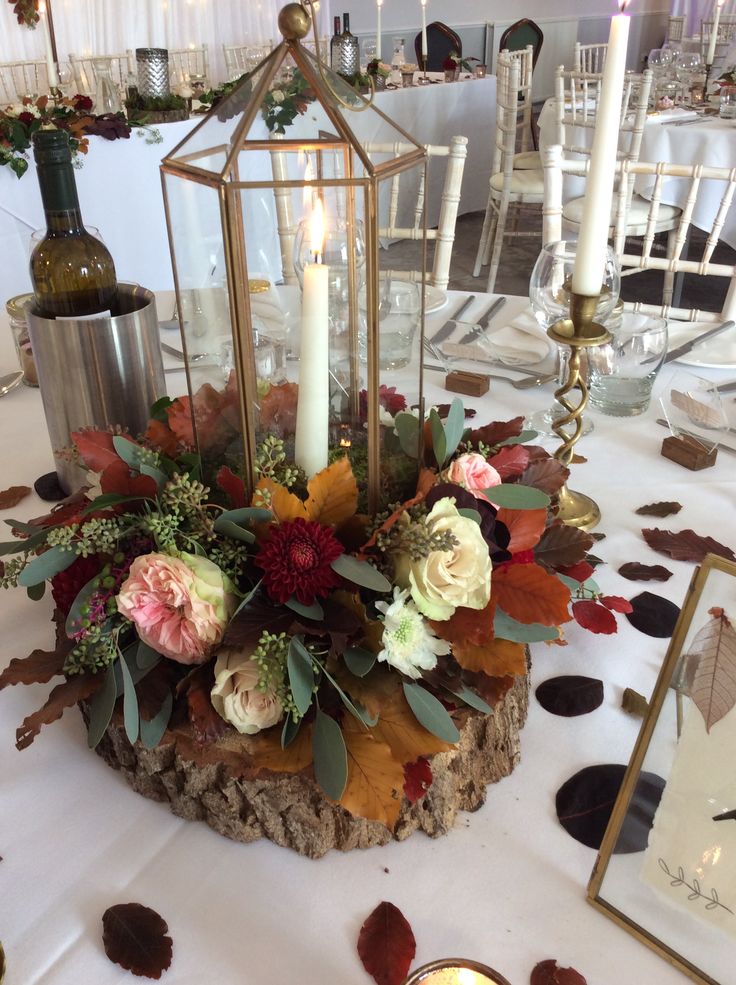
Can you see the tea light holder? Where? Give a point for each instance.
(579, 332)
(455, 971)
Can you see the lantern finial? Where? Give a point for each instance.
(294, 22)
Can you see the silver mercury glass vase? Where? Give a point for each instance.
(153, 72)
(345, 54)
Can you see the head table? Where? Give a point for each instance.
(506, 887)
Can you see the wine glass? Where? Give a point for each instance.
(549, 294)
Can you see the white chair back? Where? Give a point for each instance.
(676, 28)
(525, 59)
(186, 62)
(726, 30)
(18, 79)
(242, 58)
(590, 58)
(84, 69)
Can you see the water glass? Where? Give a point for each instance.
(398, 320)
(622, 373)
(370, 52)
(727, 104)
(480, 71)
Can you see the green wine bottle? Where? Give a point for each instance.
(72, 272)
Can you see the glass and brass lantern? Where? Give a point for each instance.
(293, 323)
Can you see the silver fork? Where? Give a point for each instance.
(530, 380)
(178, 354)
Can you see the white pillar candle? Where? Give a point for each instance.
(596, 219)
(311, 442)
(379, 4)
(714, 34)
(424, 32)
(51, 69)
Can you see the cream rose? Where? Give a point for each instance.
(446, 580)
(236, 697)
(473, 473)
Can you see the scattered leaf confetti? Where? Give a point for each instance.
(135, 937)
(659, 509)
(644, 572)
(654, 615)
(570, 695)
(386, 945)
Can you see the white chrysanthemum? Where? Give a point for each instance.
(408, 643)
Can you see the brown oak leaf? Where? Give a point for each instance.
(333, 494)
(375, 778)
(12, 496)
(528, 593)
(685, 545)
(386, 945)
(63, 696)
(496, 658)
(561, 546)
(662, 509)
(644, 572)
(546, 474)
(136, 938)
(37, 668)
(549, 973)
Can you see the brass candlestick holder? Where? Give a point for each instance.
(579, 332)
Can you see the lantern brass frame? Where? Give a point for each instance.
(229, 184)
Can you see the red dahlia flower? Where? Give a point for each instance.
(297, 561)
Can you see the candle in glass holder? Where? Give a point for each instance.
(455, 971)
(714, 34)
(424, 32)
(596, 219)
(311, 443)
(51, 69)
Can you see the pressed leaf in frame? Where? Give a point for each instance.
(714, 685)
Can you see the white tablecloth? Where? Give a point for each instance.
(120, 186)
(712, 143)
(506, 887)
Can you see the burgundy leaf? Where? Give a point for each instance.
(570, 695)
(233, 487)
(579, 572)
(417, 779)
(594, 617)
(386, 945)
(63, 696)
(585, 801)
(37, 668)
(510, 460)
(497, 431)
(644, 572)
(562, 546)
(653, 615)
(246, 627)
(685, 545)
(136, 938)
(659, 509)
(549, 973)
(616, 603)
(546, 474)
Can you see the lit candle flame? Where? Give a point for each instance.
(623, 4)
(317, 229)
(42, 6)
(465, 976)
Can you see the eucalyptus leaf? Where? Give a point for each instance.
(313, 611)
(356, 710)
(358, 660)
(110, 499)
(430, 712)
(407, 428)
(506, 628)
(454, 427)
(23, 527)
(131, 715)
(152, 731)
(519, 439)
(45, 566)
(330, 756)
(229, 529)
(159, 477)
(301, 674)
(439, 442)
(471, 699)
(289, 731)
(515, 496)
(146, 657)
(470, 514)
(36, 592)
(21, 546)
(248, 598)
(360, 573)
(572, 583)
(246, 514)
(101, 707)
(128, 450)
(74, 617)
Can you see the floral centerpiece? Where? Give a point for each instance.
(455, 63)
(334, 644)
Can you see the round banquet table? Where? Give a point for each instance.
(506, 887)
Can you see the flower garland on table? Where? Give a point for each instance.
(20, 121)
(293, 618)
(281, 104)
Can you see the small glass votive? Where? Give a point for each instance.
(455, 971)
(16, 308)
(727, 103)
(480, 71)
(622, 373)
(399, 313)
(407, 75)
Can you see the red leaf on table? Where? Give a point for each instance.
(37, 668)
(580, 571)
(549, 973)
(136, 938)
(594, 617)
(386, 945)
(659, 509)
(63, 696)
(562, 546)
(12, 496)
(497, 431)
(685, 545)
(654, 615)
(95, 449)
(644, 572)
(417, 779)
(546, 474)
(616, 603)
(233, 487)
(510, 460)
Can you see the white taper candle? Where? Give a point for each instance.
(51, 69)
(379, 4)
(424, 32)
(714, 34)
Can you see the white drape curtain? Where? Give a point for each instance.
(695, 11)
(106, 27)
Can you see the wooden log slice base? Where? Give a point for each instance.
(291, 810)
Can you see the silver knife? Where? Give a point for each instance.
(483, 321)
(698, 437)
(449, 327)
(682, 350)
(727, 387)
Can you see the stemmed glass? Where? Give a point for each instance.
(549, 294)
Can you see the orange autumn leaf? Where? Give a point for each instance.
(269, 755)
(375, 779)
(525, 527)
(527, 593)
(283, 504)
(333, 494)
(278, 408)
(467, 625)
(162, 438)
(402, 733)
(496, 659)
(373, 691)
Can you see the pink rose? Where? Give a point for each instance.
(180, 605)
(473, 473)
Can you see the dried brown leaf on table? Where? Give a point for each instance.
(37, 668)
(549, 973)
(12, 496)
(634, 703)
(654, 615)
(659, 509)
(136, 938)
(386, 945)
(644, 572)
(570, 695)
(578, 460)
(561, 546)
(685, 545)
(63, 696)
(598, 535)
(714, 685)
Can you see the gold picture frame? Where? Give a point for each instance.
(679, 895)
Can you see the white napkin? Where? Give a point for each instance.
(522, 341)
(681, 115)
(268, 308)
